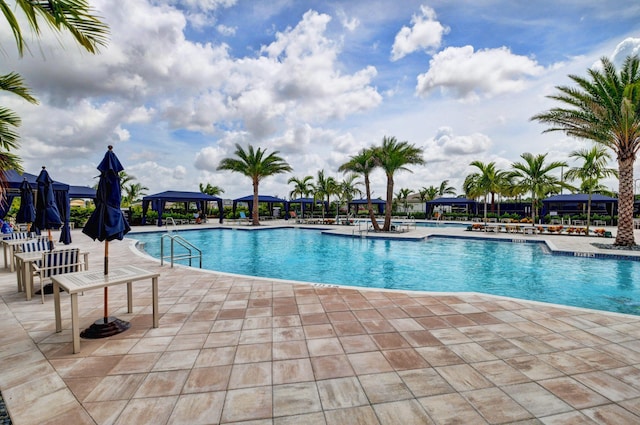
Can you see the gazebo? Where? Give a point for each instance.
(159, 201)
(269, 200)
(470, 206)
(576, 203)
(306, 202)
(379, 203)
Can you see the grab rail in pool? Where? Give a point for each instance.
(189, 255)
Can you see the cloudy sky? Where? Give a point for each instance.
(182, 81)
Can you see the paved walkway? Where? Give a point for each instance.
(242, 350)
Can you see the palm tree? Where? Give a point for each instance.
(534, 176)
(403, 195)
(488, 181)
(593, 169)
(394, 156)
(429, 193)
(325, 186)
(347, 189)
(74, 17)
(445, 189)
(133, 193)
(363, 164)
(605, 108)
(255, 165)
(301, 187)
(210, 189)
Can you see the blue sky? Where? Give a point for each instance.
(182, 82)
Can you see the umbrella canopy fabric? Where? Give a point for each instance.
(27, 211)
(107, 221)
(47, 214)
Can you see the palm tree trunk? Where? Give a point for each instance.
(588, 212)
(387, 212)
(372, 216)
(255, 219)
(624, 236)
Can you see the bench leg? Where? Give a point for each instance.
(56, 306)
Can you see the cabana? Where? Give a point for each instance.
(60, 191)
(307, 203)
(469, 206)
(82, 192)
(269, 200)
(576, 203)
(379, 203)
(159, 201)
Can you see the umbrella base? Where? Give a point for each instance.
(105, 327)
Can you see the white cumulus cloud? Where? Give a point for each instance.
(424, 34)
(470, 75)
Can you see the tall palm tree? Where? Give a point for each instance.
(534, 176)
(394, 156)
(133, 193)
(403, 195)
(347, 189)
(363, 164)
(487, 181)
(75, 17)
(605, 108)
(210, 189)
(301, 187)
(445, 189)
(325, 187)
(593, 169)
(256, 165)
(429, 193)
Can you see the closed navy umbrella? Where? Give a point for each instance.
(47, 214)
(107, 223)
(27, 211)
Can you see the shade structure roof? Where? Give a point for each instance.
(451, 201)
(180, 196)
(15, 179)
(364, 201)
(261, 198)
(580, 197)
(82, 192)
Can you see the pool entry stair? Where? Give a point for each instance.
(172, 237)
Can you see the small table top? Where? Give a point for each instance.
(85, 280)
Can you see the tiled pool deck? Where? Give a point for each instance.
(233, 349)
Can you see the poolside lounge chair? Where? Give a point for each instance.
(244, 219)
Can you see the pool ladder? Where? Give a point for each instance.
(175, 238)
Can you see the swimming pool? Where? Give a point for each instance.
(519, 270)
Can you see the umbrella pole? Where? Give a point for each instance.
(106, 272)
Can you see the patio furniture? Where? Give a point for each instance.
(55, 263)
(73, 283)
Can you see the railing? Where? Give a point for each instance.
(174, 227)
(192, 250)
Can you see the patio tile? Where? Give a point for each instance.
(463, 377)
(324, 347)
(352, 415)
(536, 399)
(357, 343)
(306, 419)
(116, 387)
(369, 362)
(573, 392)
(215, 356)
(327, 367)
(147, 410)
(407, 412)
(341, 393)
(425, 382)
(293, 399)
(290, 350)
(500, 373)
(607, 385)
(439, 356)
(250, 375)
(158, 384)
(496, 406)
(198, 408)
(247, 404)
(251, 353)
(451, 409)
(174, 360)
(569, 418)
(290, 371)
(207, 379)
(384, 387)
(611, 414)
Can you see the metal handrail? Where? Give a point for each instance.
(189, 255)
(173, 224)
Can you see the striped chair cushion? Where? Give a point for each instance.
(41, 244)
(21, 235)
(60, 262)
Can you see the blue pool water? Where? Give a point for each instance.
(516, 270)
